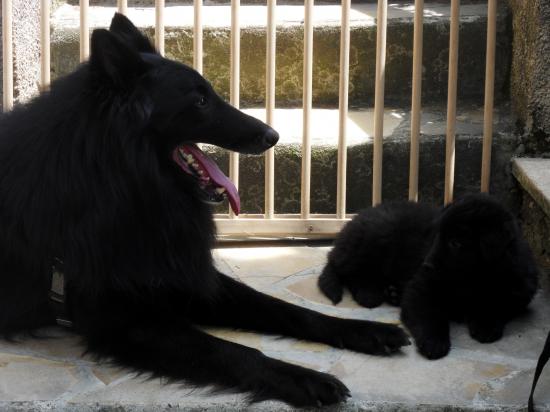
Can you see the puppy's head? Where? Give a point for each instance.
(476, 230)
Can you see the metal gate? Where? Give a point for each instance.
(304, 224)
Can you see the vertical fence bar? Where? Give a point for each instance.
(234, 85)
(44, 44)
(381, 29)
(416, 99)
(270, 108)
(489, 95)
(7, 54)
(451, 102)
(84, 30)
(197, 35)
(159, 26)
(343, 111)
(122, 6)
(307, 97)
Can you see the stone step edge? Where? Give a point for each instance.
(533, 174)
(361, 15)
(360, 124)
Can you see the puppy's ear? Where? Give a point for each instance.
(125, 29)
(113, 59)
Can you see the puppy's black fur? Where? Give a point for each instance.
(88, 174)
(468, 263)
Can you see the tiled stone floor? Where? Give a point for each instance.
(51, 374)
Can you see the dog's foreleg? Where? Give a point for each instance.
(424, 315)
(195, 357)
(240, 306)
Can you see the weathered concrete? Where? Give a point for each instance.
(533, 176)
(26, 49)
(50, 375)
(179, 39)
(530, 85)
(395, 160)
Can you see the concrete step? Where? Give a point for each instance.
(395, 161)
(533, 175)
(179, 22)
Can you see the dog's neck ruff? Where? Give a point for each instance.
(213, 182)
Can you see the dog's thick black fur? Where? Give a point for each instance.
(467, 263)
(91, 173)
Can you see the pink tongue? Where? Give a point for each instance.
(217, 176)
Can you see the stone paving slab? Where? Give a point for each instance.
(51, 374)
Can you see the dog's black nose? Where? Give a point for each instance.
(270, 137)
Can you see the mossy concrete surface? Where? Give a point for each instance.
(179, 44)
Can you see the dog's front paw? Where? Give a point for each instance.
(367, 298)
(485, 332)
(375, 338)
(433, 347)
(300, 387)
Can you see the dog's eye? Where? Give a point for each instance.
(202, 102)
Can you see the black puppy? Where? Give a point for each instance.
(103, 172)
(468, 263)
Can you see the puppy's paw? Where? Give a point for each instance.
(329, 283)
(433, 348)
(375, 338)
(300, 387)
(485, 332)
(367, 298)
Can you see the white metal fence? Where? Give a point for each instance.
(305, 223)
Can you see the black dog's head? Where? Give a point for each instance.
(176, 105)
(475, 230)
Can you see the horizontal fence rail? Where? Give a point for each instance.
(305, 223)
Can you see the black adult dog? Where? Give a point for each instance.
(102, 172)
(468, 263)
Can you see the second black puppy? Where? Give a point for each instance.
(468, 263)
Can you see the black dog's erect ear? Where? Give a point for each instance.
(114, 59)
(130, 34)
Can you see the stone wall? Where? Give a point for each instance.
(530, 84)
(26, 49)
